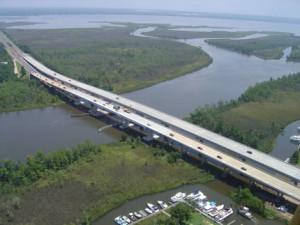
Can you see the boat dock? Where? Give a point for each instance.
(154, 214)
(218, 216)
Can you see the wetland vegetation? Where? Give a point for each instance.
(172, 33)
(65, 190)
(110, 58)
(269, 47)
(257, 116)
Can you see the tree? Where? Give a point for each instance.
(23, 72)
(181, 213)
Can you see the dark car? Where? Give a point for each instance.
(243, 168)
(219, 157)
(249, 152)
(200, 148)
(171, 134)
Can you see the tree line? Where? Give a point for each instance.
(18, 93)
(211, 116)
(15, 174)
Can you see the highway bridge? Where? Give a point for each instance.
(194, 140)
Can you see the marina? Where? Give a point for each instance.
(196, 199)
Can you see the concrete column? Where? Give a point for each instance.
(149, 136)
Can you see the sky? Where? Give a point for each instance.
(279, 8)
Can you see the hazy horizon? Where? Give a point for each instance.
(273, 8)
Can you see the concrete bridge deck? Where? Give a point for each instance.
(215, 147)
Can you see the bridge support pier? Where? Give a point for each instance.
(149, 137)
(251, 183)
(126, 124)
(226, 172)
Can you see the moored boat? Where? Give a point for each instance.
(126, 219)
(216, 210)
(194, 194)
(118, 220)
(295, 138)
(162, 204)
(152, 207)
(132, 217)
(142, 212)
(149, 211)
(138, 215)
(178, 197)
(244, 211)
(208, 207)
(224, 214)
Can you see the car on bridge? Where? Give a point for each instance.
(243, 168)
(200, 148)
(219, 157)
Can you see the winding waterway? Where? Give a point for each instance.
(22, 133)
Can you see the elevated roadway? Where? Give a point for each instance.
(188, 137)
(267, 162)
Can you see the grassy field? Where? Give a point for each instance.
(282, 106)
(179, 34)
(270, 47)
(118, 173)
(111, 58)
(199, 219)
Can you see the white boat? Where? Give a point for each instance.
(216, 210)
(118, 220)
(224, 214)
(143, 213)
(149, 211)
(194, 194)
(126, 219)
(201, 204)
(178, 197)
(131, 217)
(208, 207)
(298, 129)
(295, 138)
(162, 204)
(138, 215)
(200, 198)
(244, 211)
(152, 207)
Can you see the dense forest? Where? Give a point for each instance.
(20, 93)
(111, 59)
(269, 47)
(212, 116)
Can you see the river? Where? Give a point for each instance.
(22, 133)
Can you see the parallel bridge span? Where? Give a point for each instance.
(260, 167)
